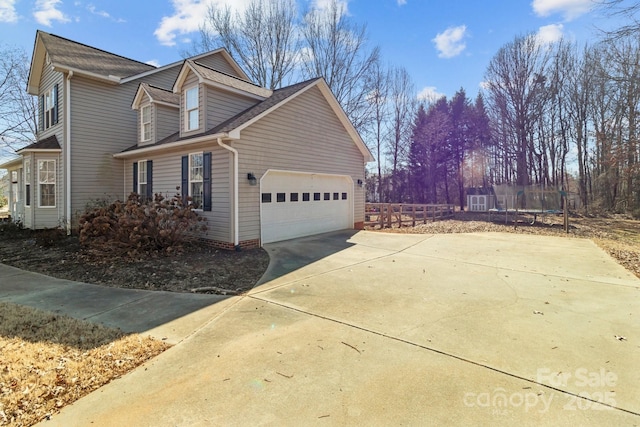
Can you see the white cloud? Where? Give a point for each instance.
(429, 94)
(8, 11)
(570, 9)
(188, 16)
(402, 2)
(91, 8)
(104, 14)
(325, 5)
(153, 62)
(46, 12)
(549, 34)
(450, 42)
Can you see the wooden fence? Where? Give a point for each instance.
(386, 215)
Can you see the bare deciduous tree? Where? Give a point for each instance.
(378, 82)
(335, 48)
(515, 81)
(263, 39)
(402, 105)
(629, 11)
(17, 108)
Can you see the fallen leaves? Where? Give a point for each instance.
(48, 361)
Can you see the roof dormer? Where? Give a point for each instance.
(158, 113)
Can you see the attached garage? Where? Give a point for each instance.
(297, 204)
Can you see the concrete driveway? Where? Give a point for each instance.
(390, 329)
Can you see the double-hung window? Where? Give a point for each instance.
(27, 182)
(192, 119)
(196, 179)
(145, 123)
(47, 183)
(50, 108)
(142, 178)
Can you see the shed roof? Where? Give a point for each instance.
(50, 143)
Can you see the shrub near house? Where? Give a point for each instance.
(137, 227)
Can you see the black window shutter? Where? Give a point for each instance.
(135, 177)
(206, 181)
(55, 104)
(41, 112)
(185, 179)
(149, 179)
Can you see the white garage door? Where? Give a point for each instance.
(301, 204)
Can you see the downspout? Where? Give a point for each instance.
(67, 150)
(236, 233)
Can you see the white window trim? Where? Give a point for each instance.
(143, 123)
(142, 164)
(201, 154)
(40, 183)
(49, 106)
(188, 110)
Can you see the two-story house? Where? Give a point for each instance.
(260, 165)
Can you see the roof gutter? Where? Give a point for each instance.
(236, 233)
(183, 143)
(72, 71)
(67, 150)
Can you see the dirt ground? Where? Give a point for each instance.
(197, 267)
(618, 235)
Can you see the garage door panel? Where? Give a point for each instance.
(288, 218)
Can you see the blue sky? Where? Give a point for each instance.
(445, 45)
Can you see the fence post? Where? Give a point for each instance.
(413, 215)
(381, 215)
(389, 214)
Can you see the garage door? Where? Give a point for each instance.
(301, 204)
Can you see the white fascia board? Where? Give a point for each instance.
(166, 104)
(232, 89)
(77, 72)
(39, 150)
(184, 143)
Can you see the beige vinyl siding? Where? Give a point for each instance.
(48, 80)
(222, 105)
(48, 217)
(163, 79)
(218, 62)
(102, 124)
(191, 81)
(167, 168)
(303, 135)
(167, 121)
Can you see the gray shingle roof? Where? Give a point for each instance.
(50, 143)
(228, 80)
(67, 53)
(240, 119)
(161, 95)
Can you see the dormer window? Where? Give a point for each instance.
(191, 109)
(145, 123)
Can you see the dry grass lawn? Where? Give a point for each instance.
(48, 361)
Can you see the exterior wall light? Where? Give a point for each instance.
(252, 179)
(359, 182)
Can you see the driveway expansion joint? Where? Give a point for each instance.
(444, 353)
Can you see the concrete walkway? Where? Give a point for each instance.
(169, 316)
(474, 329)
